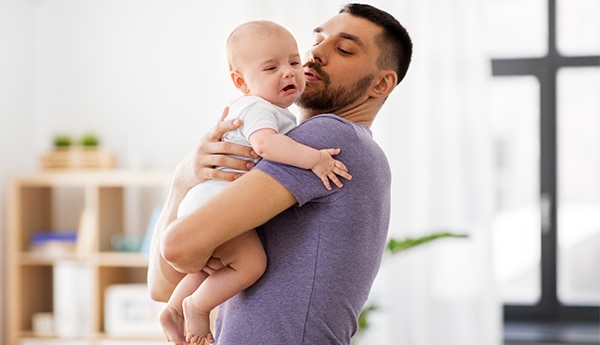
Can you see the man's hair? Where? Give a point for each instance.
(395, 43)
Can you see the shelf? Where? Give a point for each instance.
(31, 338)
(117, 178)
(117, 259)
(108, 259)
(101, 205)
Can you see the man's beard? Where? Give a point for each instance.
(330, 99)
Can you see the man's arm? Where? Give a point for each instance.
(162, 277)
(241, 206)
(196, 167)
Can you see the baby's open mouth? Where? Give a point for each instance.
(289, 87)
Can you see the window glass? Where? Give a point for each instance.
(514, 111)
(579, 185)
(516, 28)
(578, 26)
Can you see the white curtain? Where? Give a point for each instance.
(434, 131)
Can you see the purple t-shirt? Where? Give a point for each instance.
(323, 253)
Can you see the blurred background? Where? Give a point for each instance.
(494, 133)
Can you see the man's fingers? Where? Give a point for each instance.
(223, 127)
(216, 174)
(225, 147)
(224, 114)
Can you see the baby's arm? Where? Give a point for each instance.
(277, 147)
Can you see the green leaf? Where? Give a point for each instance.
(363, 318)
(89, 140)
(62, 141)
(395, 245)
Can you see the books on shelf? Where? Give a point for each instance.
(86, 233)
(73, 286)
(53, 242)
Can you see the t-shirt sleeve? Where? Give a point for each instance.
(321, 132)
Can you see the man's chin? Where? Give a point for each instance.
(312, 85)
(312, 90)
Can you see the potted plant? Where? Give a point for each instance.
(395, 246)
(89, 140)
(81, 153)
(62, 141)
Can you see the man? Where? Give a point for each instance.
(323, 247)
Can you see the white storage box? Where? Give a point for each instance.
(129, 311)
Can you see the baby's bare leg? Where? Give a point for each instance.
(171, 318)
(245, 261)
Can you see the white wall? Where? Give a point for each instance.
(148, 76)
(16, 111)
(134, 72)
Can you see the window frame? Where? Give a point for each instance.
(549, 309)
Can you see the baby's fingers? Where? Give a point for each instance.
(333, 177)
(339, 166)
(325, 181)
(342, 173)
(332, 152)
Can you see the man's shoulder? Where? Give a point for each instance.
(327, 122)
(326, 117)
(331, 125)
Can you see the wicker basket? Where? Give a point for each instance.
(77, 158)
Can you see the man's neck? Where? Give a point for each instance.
(362, 113)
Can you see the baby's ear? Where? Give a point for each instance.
(239, 82)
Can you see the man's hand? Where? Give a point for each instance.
(199, 164)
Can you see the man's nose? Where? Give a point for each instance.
(316, 54)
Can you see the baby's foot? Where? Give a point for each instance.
(197, 322)
(171, 321)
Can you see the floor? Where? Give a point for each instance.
(512, 343)
(567, 334)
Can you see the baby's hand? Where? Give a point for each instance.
(329, 169)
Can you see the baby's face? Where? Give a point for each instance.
(272, 68)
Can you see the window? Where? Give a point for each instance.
(546, 123)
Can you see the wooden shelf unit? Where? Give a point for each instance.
(34, 206)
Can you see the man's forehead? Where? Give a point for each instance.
(348, 26)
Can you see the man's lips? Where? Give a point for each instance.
(311, 74)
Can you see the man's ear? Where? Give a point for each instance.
(239, 82)
(386, 82)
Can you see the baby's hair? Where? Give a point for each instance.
(245, 31)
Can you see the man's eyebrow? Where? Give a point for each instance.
(344, 35)
(352, 38)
